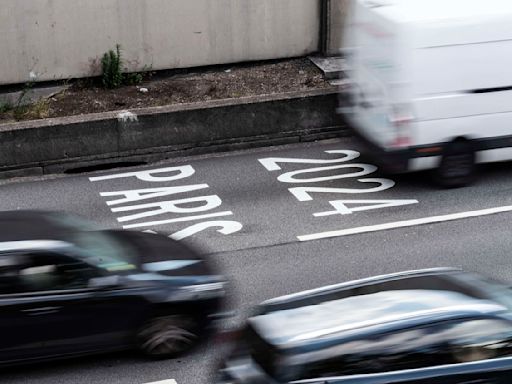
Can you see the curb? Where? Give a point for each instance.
(151, 134)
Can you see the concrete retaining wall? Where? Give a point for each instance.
(61, 39)
(53, 145)
(337, 11)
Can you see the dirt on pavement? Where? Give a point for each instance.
(220, 82)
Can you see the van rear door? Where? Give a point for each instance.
(378, 96)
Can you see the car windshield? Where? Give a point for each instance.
(492, 289)
(71, 222)
(104, 251)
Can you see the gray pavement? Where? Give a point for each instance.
(264, 255)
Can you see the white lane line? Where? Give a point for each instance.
(406, 223)
(163, 382)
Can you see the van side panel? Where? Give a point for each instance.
(459, 105)
(497, 126)
(461, 91)
(462, 68)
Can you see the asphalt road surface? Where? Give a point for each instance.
(277, 220)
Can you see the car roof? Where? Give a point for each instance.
(297, 325)
(387, 301)
(277, 301)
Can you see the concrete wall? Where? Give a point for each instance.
(337, 10)
(52, 145)
(60, 39)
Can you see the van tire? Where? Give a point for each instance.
(457, 167)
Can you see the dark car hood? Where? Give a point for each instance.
(160, 254)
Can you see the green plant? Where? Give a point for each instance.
(133, 78)
(112, 63)
(147, 72)
(113, 75)
(138, 77)
(5, 107)
(19, 112)
(24, 92)
(20, 108)
(38, 110)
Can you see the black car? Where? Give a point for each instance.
(67, 288)
(439, 326)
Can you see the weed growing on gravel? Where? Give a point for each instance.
(21, 108)
(133, 78)
(111, 64)
(25, 91)
(38, 110)
(113, 75)
(5, 107)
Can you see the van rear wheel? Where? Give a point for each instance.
(457, 167)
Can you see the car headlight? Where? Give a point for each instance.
(203, 287)
(198, 291)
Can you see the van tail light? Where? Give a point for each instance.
(228, 336)
(401, 119)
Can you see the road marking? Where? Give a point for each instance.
(183, 206)
(177, 220)
(171, 381)
(406, 223)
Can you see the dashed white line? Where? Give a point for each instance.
(171, 381)
(405, 223)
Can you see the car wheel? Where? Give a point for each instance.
(167, 336)
(457, 167)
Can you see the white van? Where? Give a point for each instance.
(431, 83)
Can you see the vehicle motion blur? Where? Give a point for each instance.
(435, 326)
(430, 84)
(68, 288)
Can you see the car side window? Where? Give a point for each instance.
(407, 349)
(9, 270)
(480, 339)
(437, 344)
(50, 272)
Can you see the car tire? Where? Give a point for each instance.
(457, 167)
(168, 336)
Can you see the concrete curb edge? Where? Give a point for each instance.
(152, 134)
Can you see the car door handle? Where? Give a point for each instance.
(40, 311)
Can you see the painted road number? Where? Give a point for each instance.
(341, 207)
